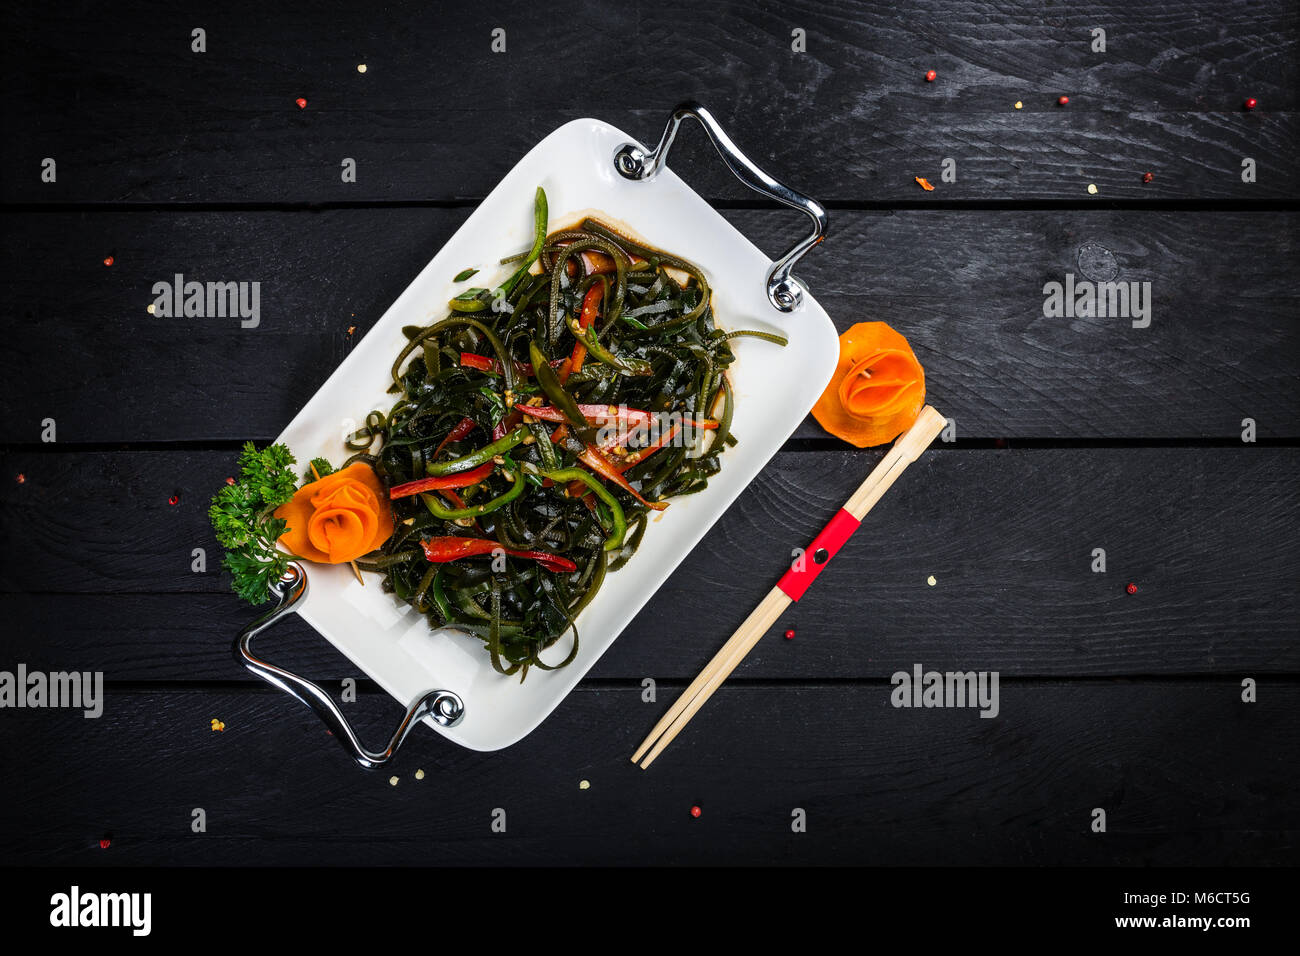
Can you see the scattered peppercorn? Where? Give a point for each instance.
(21, 479)
(1147, 177)
(696, 811)
(108, 260)
(1132, 589)
(931, 76)
(1063, 101)
(174, 500)
(302, 103)
(789, 635)
(1251, 103)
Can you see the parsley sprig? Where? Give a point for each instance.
(320, 467)
(241, 517)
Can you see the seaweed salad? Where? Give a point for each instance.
(536, 428)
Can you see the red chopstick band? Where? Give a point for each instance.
(825, 546)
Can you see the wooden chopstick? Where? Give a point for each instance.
(906, 450)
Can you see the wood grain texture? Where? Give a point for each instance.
(879, 785)
(1210, 538)
(132, 115)
(1123, 439)
(965, 286)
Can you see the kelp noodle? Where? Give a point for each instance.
(627, 373)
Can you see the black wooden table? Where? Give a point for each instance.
(1171, 446)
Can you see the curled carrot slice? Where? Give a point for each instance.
(878, 388)
(337, 518)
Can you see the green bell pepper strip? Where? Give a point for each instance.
(544, 447)
(477, 457)
(439, 510)
(540, 215)
(469, 301)
(566, 475)
(627, 366)
(550, 385)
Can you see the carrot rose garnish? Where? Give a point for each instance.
(337, 518)
(878, 389)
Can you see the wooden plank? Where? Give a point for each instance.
(965, 286)
(1209, 536)
(878, 784)
(131, 114)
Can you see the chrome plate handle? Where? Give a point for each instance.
(784, 291)
(444, 706)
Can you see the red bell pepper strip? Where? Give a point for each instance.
(507, 424)
(590, 313)
(486, 364)
(462, 430)
(451, 548)
(625, 464)
(461, 479)
(597, 462)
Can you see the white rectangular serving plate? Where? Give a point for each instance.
(774, 389)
